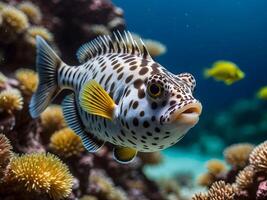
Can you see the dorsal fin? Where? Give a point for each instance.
(121, 43)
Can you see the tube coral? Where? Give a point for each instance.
(10, 100)
(221, 191)
(52, 119)
(66, 143)
(5, 153)
(238, 154)
(32, 11)
(258, 157)
(41, 173)
(28, 80)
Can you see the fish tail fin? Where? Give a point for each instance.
(206, 73)
(47, 65)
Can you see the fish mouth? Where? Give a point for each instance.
(188, 115)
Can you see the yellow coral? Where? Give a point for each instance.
(258, 157)
(205, 179)
(106, 187)
(14, 20)
(41, 172)
(32, 11)
(5, 153)
(33, 31)
(221, 191)
(66, 143)
(155, 48)
(244, 179)
(52, 119)
(238, 154)
(215, 167)
(10, 100)
(152, 158)
(3, 78)
(28, 80)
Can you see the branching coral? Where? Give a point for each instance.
(215, 167)
(244, 179)
(5, 154)
(41, 173)
(10, 100)
(32, 11)
(66, 143)
(238, 154)
(28, 80)
(52, 119)
(200, 196)
(221, 191)
(258, 157)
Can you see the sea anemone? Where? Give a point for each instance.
(32, 11)
(14, 20)
(200, 196)
(215, 167)
(43, 173)
(52, 119)
(5, 154)
(28, 80)
(205, 179)
(244, 179)
(66, 143)
(155, 48)
(221, 191)
(238, 154)
(152, 158)
(106, 188)
(10, 100)
(33, 31)
(258, 157)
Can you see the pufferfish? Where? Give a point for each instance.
(119, 94)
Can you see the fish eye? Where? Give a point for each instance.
(154, 90)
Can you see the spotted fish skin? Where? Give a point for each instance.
(142, 121)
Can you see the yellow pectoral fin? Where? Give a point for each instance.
(124, 154)
(96, 101)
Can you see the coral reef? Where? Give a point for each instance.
(5, 154)
(37, 174)
(245, 180)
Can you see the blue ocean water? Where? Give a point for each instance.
(197, 33)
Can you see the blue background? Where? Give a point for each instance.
(199, 32)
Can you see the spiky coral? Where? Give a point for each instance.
(200, 196)
(258, 157)
(66, 143)
(221, 191)
(52, 119)
(14, 22)
(10, 100)
(41, 173)
(5, 154)
(238, 154)
(28, 80)
(32, 11)
(215, 167)
(244, 179)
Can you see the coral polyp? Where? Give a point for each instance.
(32, 11)
(28, 80)
(5, 154)
(238, 154)
(52, 119)
(10, 100)
(33, 31)
(41, 172)
(66, 143)
(258, 157)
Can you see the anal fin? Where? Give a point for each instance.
(71, 115)
(124, 155)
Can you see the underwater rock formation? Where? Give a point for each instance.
(245, 180)
(53, 163)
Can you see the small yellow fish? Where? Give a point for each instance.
(225, 71)
(262, 93)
